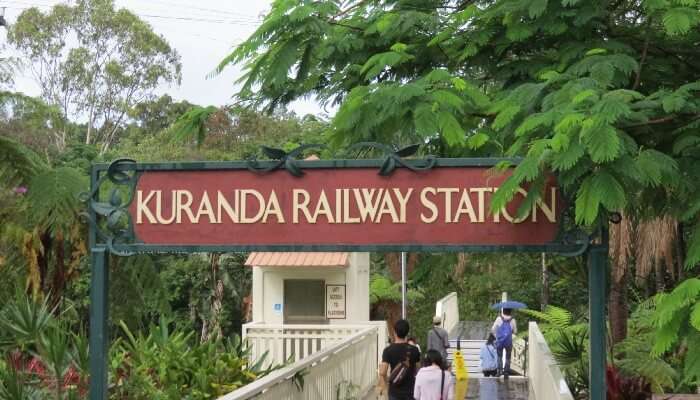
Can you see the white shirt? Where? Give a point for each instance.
(428, 384)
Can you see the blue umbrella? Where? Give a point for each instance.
(508, 304)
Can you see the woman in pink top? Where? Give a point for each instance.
(432, 381)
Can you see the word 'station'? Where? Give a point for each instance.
(444, 206)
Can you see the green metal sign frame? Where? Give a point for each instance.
(111, 232)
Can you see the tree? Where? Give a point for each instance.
(41, 223)
(603, 94)
(94, 61)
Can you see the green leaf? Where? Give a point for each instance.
(601, 140)
(527, 170)
(537, 8)
(695, 316)
(519, 32)
(587, 202)
(566, 160)
(549, 75)
(612, 194)
(378, 62)
(673, 103)
(476, 141)
(653, 165)
(459, 83)
(425, 120)
(692, 258)
(584, 95)
(560, 141)
(475, 95)
(596, 51)
(569, 122)
(677, 21)
(448, 99)
(451, 129)
(398, 47)
(505, 117)
(533, 122)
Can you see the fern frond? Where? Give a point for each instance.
(18, 163)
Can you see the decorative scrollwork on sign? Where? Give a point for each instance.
(112, 221)
(395, 157)
(287, 160)
(571, 234)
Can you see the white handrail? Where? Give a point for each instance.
(546, 379)
(340, 354)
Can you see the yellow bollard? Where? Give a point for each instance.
(462, 376)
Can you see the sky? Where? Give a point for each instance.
(202, 31)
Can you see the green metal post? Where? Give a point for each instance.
(597, 260)
(99, 335)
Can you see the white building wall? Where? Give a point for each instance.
(268, 288)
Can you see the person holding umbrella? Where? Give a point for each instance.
(504, 327)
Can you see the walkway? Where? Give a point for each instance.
(515, 388)
(336, 361)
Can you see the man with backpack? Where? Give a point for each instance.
(504, 328)
(438, 339)
(402, 358)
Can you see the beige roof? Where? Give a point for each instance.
(297, 259)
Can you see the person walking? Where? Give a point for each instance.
(402, 359)
(412, 342)
(504, 327)
(489, 362)
(432, 381)
(438, 338)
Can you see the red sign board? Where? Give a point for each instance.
(329, 207)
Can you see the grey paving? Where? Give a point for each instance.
(515, 388)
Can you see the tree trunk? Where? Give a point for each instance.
(460, 267)
(660, 276)
(43, 260)
(621, 238)
(618, 311)
(59, 273)
(545, 283)
(88, 135)
(214, 326)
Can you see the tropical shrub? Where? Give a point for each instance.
(166, 364)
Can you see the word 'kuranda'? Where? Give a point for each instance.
(339, 206)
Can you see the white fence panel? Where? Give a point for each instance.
(546, 379)
(348, 365)
(448, 309)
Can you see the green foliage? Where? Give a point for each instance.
(17, 163)
(633, 355)
(602, 107)
(677, 322)
(192, 125)
(52, 198)
(567, 338)
(382, 288)
(169, 363)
